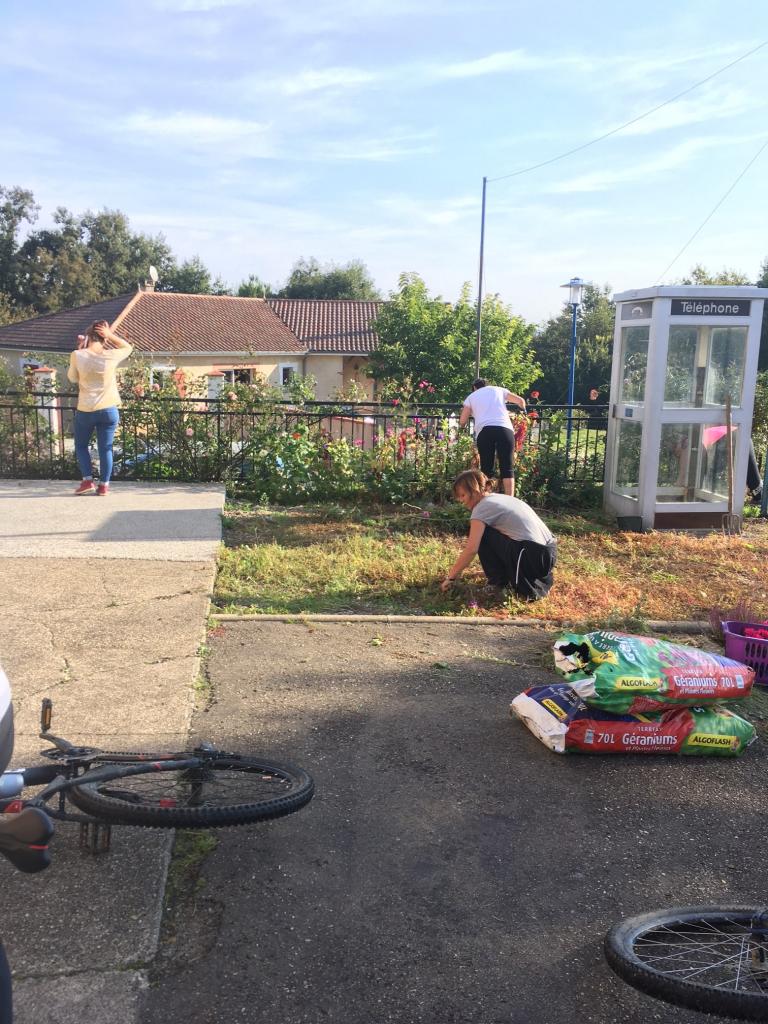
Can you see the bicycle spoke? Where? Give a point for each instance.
(725, 957)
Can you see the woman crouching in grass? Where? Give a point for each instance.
(515, 547)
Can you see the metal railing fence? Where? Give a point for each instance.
(201, 439)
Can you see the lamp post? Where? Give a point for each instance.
(576, 287)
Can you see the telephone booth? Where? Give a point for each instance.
(678, 353)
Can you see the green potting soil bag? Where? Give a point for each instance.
(629, 674)
(557, 716)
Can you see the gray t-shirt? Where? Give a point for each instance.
(512, 517)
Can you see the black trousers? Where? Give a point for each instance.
(524, 566)
(493, 441)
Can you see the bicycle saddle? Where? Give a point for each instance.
(24, 839)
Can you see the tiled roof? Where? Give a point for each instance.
(167, 322)
(331, 325)
(57, 332)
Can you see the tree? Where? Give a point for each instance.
(762, 282)
(701, 276)
(254, 288)
(17, 205)
(425, 338)
(191, 277)
(120, 258)
(309, 280)
(594, 332)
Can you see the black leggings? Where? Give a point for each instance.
(496, 440)
(523, 565)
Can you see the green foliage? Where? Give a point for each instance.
(594, 332)
(254, 288)
(192, 277)
(760, 415)
(309, 280)
(699, 275)
(541, 474)
(423, 338)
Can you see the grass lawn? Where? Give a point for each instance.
(333, 559)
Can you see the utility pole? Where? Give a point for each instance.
(480, 286)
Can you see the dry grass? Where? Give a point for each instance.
(336, 560)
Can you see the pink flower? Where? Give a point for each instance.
(231, 396)
(593, 395)
(534, 394)
(395, 401)
(425, 514)
(472, 605)
(359, 442)
(139, 391)
(189, 432)
(155, 386)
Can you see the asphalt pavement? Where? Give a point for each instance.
(450, 869)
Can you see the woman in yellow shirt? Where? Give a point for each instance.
(92, 367)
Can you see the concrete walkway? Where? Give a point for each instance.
(103, 606)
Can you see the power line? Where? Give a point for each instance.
(614, 131)
(713, 211)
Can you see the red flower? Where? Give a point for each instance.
(533, 415)
(534, 394)
(395, 401)
(296, 437)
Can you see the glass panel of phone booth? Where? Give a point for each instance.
(727, 352)
(634, 363)
(704, 364)
(626, 470)
(693, 462)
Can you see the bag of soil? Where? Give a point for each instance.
(622, 673)
(557, 716)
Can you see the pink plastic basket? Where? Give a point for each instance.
(746, 649)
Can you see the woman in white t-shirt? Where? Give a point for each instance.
(487, 406)
(516, 549)
(92, 367)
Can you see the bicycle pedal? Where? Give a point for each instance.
(95, 837)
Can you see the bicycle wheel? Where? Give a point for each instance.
(213, 792)
(711, 959)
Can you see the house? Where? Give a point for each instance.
(218, 334)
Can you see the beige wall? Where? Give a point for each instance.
(354, 371)
(333, 372)
(329, 371)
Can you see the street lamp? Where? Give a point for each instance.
(576, 287)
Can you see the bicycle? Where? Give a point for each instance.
(201, 788)
(711, 959)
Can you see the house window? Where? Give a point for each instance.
(241, 376)
(287, 372)
(160, 373)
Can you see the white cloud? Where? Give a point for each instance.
(228, 136)
(508, 61)
(389, 147)
(669, 160)
(314, 80)
(709, 105)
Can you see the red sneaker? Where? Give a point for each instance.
(86, 487)
(103, 489)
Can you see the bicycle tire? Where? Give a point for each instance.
(160, 797)
(660, 953)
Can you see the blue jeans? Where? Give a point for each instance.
(104, 422)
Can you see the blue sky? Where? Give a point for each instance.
(254, 133)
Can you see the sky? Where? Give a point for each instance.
(254, 133)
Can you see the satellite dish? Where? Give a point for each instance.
(153, 274)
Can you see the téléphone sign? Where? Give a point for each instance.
(710, 307)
